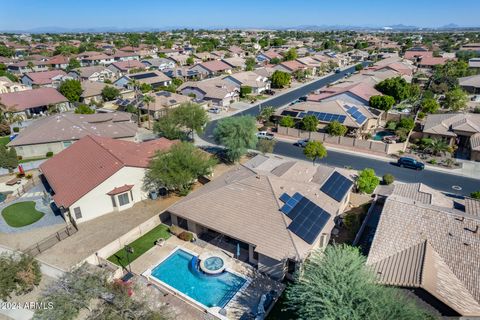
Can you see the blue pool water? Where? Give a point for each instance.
(379, 135)
(209, 290)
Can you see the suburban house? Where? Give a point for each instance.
(85, 187)
(58, 62)
(310, 63)
(471, 47)
(154, 78)
(217, 91)
(265, 57)
(471, 84)
(158, 63)
(358, 93)
(28, 103)
(461, 129)
(7, 85)
(44, 78)
(212, 68)
(236, 51)
(237, 63)
(120, 68)
(357, 118)
(57, 132)
(270, 210)
(427, 243)
(93, 73)
(474, 63)
(292, 66)
(92, 92)
(250, 79)
(183, 73)
(27, 66)
(125, 56)
(417, 54)
(178, 58)
(431, 62)
(95, 58)
(164, 100)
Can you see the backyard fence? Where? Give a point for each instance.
(50, 241)
(23, 189)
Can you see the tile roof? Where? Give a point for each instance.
(27, 99)
(362, 90)
(128, 64)
(471, 81)
(119, 190)
(86, 72)
(215, 65)
(74, 172)
(92, 88)
(213, 88)
(44, 77)
(446, 123)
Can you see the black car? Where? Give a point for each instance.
(406, 162)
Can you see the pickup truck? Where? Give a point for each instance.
(264, 135)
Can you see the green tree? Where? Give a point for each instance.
(71, 89)
(367, 181)
(384, 103)
(84, 109)
(178, 168)
(396, 87)
(250, 64)
(19, 274)
(110, 93)
(190, 61)
(309, 123)
(265, 145)
(275, 61)
(147, 100)
(167, 126)
(359, 67)
(266, 113)
(191, 116)
(6, 51)
(237, 134)
(335, 128)
(437, 146)
(456, 99)
(291, 54)
(430, 105)
(287, 122)
(280, 79)
(315, 150)
(475, 194)
(145, 87)
(407, 123)
(336, 284)
(245, 91)
(73, 64)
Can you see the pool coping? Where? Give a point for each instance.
(215, 311)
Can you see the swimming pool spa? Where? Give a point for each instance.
(180, 271)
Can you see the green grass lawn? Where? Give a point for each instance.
(21, 214)
(4, 140)
(31, 159)
(141, 245)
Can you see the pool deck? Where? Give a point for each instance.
(244, 303)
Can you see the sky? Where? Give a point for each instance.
(31, 14)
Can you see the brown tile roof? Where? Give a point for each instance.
(362, 90)
(119, 190)
(293, 65)
(128, 64)
(71, 127)
(92, 88)
(429, 246)
(446, 123)
(74, 172)
(44, 77)
(215, 65)
(417, 54)
(27, 99)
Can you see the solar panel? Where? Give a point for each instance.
(352, 110)
(360, 119)
(336, 186)
(286, 209)
(302, 115)
(309, 222)
(143, 76)
(341, 119)
(297, 196)
(284, 197)
(289, 113)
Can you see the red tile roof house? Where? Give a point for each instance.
(359, 93)
(212, 68)
(120, 68)
(431, 62)
(34, 102)
(45, 78)
(265, 57)
(86, 187)
(291, 66)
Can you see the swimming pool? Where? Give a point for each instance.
(381, 134)
(209, 290)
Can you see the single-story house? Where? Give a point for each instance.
(358, 94)
(266, 56)
(57, 132)
(85, 187)
(461, 129)
(119, 68)
(250, 79)
(474, 63)
(183, 73)
(431, 62)
(34, 102)
(125, 56)
(470, 84)
(27, 66)
(92, 73)
(427, 243)
(95, 58)
(236, 63)
(92, 91)
(164, 100)
(272, 210)
(417, 54)
(217, 91)
(291, 66)
(154, 78)
(236, 51)
(159, 63)
(212, 68)
(357, 118)
(51, 79)
(58, 62)
(471, 47)
(7, 85)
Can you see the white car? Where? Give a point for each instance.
(214, 110)
(264, 135)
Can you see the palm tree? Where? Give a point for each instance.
(135, 84)
(30, 65)
(438, 146)
(147, 99)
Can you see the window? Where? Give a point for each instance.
(123, 199)
(77, 212)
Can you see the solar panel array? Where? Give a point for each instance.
(336, 186)
(308, 219)
(323, 116)
(144, 76)
(357, 115)
(289, 113)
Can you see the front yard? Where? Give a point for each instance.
(141, 245)
(21, 214)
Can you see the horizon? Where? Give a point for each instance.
(109, 15)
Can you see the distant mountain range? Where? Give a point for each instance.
(395, 27)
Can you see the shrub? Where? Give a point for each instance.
(19, 158)
(432, 161)
(475, 194)
(421, 115)
(29, 176)
(367, 181)
(20, 274)
(388, 179)
(16, 129)
(186, 236)
(175, 230)
(49, 154)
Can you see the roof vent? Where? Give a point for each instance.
(466, 244)
(460, 218)
(472, 230)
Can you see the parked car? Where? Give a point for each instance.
(269, 92)
(302, 143)
(303, 99)
(264, 135)
(214, 110)
(411, 163)
(337, 70)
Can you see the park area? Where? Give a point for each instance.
(140, 246)
(21, 214)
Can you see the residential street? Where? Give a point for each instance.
(436, 179)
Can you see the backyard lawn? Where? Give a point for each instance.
(21, 214)
(4, 140)
(141, 245)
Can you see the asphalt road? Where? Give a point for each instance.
(439, 180)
